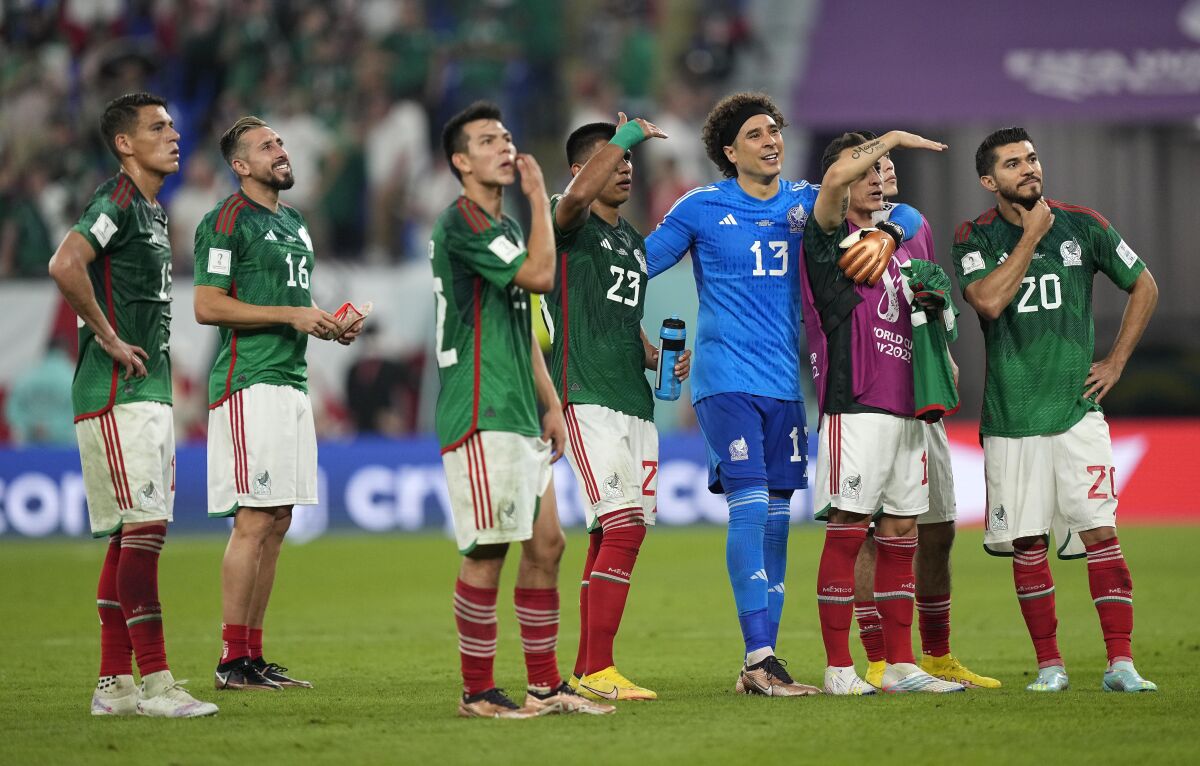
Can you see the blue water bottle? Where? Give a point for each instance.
(671, 341)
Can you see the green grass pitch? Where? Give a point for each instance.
(369, 620)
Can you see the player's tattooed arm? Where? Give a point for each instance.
(871, 148)
(554, 426)
(1103, 375)
(68, 268)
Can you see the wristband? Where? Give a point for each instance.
(907, 218)
(628, 136)
(892, 229)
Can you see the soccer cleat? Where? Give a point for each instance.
(573, 682)
(115, 695)
(562, 699)
(770, 679)
(1123, 677)
(241, 674)
(948, 668)
(609, 684)
(277, 673)
(903, 677)
(844, 682)
(493, 703)
(1052, 678)
(875, 673)
(164, 697)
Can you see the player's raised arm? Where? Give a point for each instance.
(591, 178)
(68, 268)
(537, 272)
(833, 201)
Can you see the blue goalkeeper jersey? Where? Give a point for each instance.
(745, 258)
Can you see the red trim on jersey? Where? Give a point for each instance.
(122, 195)
(962, 232)
(478, 347)
(1056, 204)
(474, 215)
(232, 358)
(120, 459)
(566, 326)
(112, 320)
(936, 408)
(987, 216)
(585, 467)
(220, 224)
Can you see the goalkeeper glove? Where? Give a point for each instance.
(868, 252)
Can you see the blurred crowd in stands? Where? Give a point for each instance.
(358, 89)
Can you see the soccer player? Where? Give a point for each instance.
(496, 455)
(860, 341)
(600, 360)
(935, 538)
(744, 234)
(114, 268)
(254, 265)
(1027, 266)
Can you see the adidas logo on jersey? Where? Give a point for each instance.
(729, 220)
(604, 244)
(271, 236)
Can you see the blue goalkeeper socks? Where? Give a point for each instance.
(744, 560)
(775, 540)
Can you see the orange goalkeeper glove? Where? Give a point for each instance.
(868, 252)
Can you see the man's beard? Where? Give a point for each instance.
(277, 183)
(1026, 200)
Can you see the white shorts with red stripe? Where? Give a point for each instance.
(942, 506)
(1061, 483)
(867, 462)
(615, 460)
(128, 458)
(495, 479)
(262, 450)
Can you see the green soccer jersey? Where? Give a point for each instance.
(266, 259)
(131, 277)
(1040, 349)
(594, 315)
(484, 329)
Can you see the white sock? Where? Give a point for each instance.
(758, 655)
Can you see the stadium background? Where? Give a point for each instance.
(359, 90)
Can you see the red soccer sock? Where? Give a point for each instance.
(1112, 593)
(894, 592)
(593, 550)
(116, 651)
(537, 613)
(609, 584)
(933, 620)
(870, 630)
(235, 642)
(835, 589)
(1035, 593)
(475, 616)
(254, 643)
(137, 584)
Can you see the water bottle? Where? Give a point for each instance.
(670, 345)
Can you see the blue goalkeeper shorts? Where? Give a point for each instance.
(754, 440)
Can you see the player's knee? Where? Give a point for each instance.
(253, 525)
(488, 552)
(935, 539)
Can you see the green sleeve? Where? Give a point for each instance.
(488, 253)
(833, 292)
(564, 239)
(973, 258)
(1115, 258)
(216, 254)
(101, 224)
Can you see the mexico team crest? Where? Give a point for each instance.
(998, 519)
(797, 217)
(612, 487)
(262, 484)
(739, 450)
(148, 496)
(1071, 253)
(852, 487)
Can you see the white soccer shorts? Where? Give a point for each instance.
(615, 460)
(942, 506)
(262, 450)
(867, 462)
(128, 458)
(495, 479)
(1061, 483)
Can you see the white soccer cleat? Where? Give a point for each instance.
(164, 697)
(845, 682)
(115, 695)
(906, 677)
